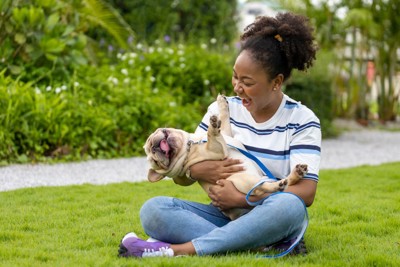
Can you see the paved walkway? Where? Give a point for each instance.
(351, 149)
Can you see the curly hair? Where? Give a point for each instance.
(280, 44)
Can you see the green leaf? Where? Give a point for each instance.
(15, 69)
(52, 21)
(35, 16)
(68, 30)
(35, 53)
(78, 58)
(20, 38)
(46, 3)
(52, 45)
(22, 159)
(50, 57)
(82, 41)
(9, 28)
(19, 14)
(105, 16)
(29, 48)
(93, 145)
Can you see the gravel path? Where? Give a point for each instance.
(372, 147)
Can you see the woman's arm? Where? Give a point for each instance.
(305, 189)
(211, 171)
(224, 194)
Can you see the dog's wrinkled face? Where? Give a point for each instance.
(163, 147)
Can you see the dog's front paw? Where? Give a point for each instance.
(222, 104)
(215, 125)
(301, 170)
(221, 99)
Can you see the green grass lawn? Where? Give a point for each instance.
(354, 221)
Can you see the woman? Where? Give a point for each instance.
(278, 130)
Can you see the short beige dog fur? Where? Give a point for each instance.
(170, 152)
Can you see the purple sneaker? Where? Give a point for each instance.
(132, 246)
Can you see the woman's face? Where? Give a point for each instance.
(260, 94)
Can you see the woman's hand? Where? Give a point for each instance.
(211, 171)
(224, 196)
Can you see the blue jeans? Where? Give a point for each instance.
(177, 221)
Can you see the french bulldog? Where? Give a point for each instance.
(170, 153)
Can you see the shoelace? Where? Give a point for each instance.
(162, 251)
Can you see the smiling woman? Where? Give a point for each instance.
(277, 130)
(249, 83)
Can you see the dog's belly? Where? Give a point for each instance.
(245, 180)
(251, 167)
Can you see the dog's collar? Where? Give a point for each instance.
(188, 146)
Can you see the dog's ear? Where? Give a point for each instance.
(153, 176)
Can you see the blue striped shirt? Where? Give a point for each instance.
(292, 136)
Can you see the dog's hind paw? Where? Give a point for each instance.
(301, 170)
(298, 172)
(282, 184)
(272, 187)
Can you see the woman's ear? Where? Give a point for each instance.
(278, 80)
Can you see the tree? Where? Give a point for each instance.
(369, 35)
(193, 21)
(386, 15)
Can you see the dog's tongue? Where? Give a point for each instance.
(164, 146)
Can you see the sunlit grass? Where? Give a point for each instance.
(353, 222)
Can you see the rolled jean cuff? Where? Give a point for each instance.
(197, 247)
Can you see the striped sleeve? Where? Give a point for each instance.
(305, 146)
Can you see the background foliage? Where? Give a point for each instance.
(91, 79)
(109, 110)
(366, 41)
(45, 41)
(66, 95)
(176, 20)
(314, 89)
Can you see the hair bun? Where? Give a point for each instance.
(289, 35)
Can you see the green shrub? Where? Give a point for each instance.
(35, 44)
(108, 110)
(45, 40)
